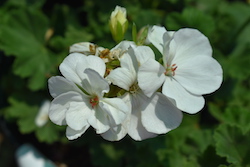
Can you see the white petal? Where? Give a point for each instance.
(99, 49)
(160, 115)
(128, 61)
(59, 85)
(189, 43)
(135, 128)
(158, 36)
(94, 83)
(119, 50)
(115, 133)
(86, 48)
(122, 77)
(60, 105)
(78, 114)
(123, 45)
(143, 53)
(68, 66)
(171, 33)
(150, 77)
(116, 109)
(74, 134)
(92, 62)
(185, 101)
(100, 120)
(118, 132)
(199, 75)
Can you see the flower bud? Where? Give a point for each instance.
(118, 23)
(142, 36)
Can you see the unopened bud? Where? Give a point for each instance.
(118, 23)
(142, 36)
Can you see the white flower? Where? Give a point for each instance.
(105, 54)
(116, 52)
(86, 48)
(43, 114)
(78, 98)
(188, 70)
(150, 115)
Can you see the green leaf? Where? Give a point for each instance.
(27, 124)
(49, 133)
(216, 111)
(236, 113)
(23, 32)
(72, 36)
(104, 154)
(24, 113)
(191, 18)
(177, 159)
(111, 152)
(236, 15)
(188, 142)
(232, 144)
(143, 17)
(202, 138)
(242, 94)
(23, 36)
(23, 3)
(19, 109)
(232, 165)
(209, 158)
(35, 67)
(237, 60)
(238, 116)
(239, 13)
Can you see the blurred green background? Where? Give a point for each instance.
(35, 36)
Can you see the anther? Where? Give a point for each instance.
(94, 101)
(170, 71)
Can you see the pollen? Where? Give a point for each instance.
(94, 101)
(170, 70)
(104, 54)
(92, 49)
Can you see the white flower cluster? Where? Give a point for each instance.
(124, 90)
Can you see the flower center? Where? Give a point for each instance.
(170, 70)
(134, 88)
(115, 54)
(104, 54)
(94, 101)
(110, 55)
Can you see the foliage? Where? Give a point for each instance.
(35, 37)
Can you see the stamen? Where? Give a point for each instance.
(94, 101)
(170, 70)
(92, 49)
(115, 54)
